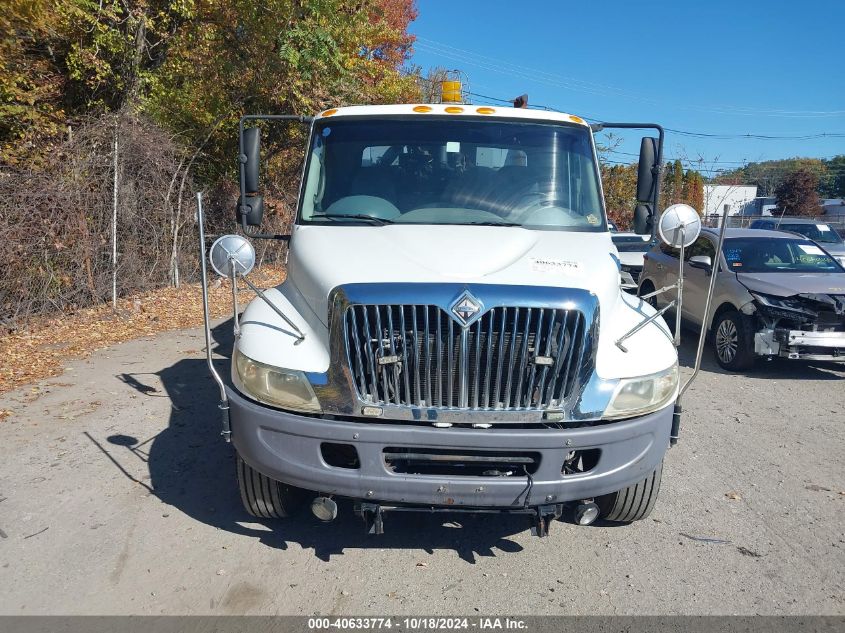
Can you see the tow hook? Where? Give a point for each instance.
(372, 515)
(544, 517)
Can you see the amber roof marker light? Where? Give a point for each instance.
(422, 108)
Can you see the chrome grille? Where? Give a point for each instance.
(511, 358)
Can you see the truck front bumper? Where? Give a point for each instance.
(287, 447)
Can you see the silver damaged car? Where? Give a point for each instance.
(776, 295)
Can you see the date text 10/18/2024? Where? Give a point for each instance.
(417, 623)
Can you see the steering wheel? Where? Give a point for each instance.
(529, 202)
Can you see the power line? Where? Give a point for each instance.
(500, 66)
(741, 163)
(770, 137)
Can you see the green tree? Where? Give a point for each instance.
(767, 175)
(61, 60)
(677, 183)
(832, 182)
(277, 56)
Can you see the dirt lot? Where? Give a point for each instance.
(117, 496)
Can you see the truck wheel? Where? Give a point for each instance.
(266, 498)
(733, 341)
(634, 502)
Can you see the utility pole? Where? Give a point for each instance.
(114, 225)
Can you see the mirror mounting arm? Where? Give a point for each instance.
(300, 335)
(254, 234)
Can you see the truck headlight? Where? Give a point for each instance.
(285, 388)
(644, 394)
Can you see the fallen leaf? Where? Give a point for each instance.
(817, 488)
(748, 552)
(422, 564)
(733, 495)
(40, 349)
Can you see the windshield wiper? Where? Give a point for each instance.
(485, 223)
(353, 216)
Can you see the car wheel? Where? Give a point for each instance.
(733, 341)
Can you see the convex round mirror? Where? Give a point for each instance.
(232, 251)
(679, 223)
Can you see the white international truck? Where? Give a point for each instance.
(452, 334)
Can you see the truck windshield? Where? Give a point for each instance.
(444, 170)
(765, 255)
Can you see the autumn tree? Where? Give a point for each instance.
(620, 193)
(31, 83)
(193, 64)
(694, 190)
(797, 194)
(60, 60)
(278, 56)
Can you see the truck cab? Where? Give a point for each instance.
(448, 333)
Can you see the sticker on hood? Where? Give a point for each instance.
(560, 266)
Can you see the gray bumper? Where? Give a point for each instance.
(286, 447)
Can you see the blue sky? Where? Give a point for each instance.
(734, 68)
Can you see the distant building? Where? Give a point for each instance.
(762, 205)
(721, 200)
(833, 206)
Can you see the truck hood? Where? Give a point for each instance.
(789, 284)
(324, 257)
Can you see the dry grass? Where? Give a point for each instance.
(41, 350)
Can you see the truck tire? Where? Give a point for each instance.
(634, 502)
(733, 340)
(266, 498)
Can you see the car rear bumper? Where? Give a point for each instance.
(287, 447)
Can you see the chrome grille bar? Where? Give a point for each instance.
(508, 359)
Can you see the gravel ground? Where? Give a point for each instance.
(118, 496)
